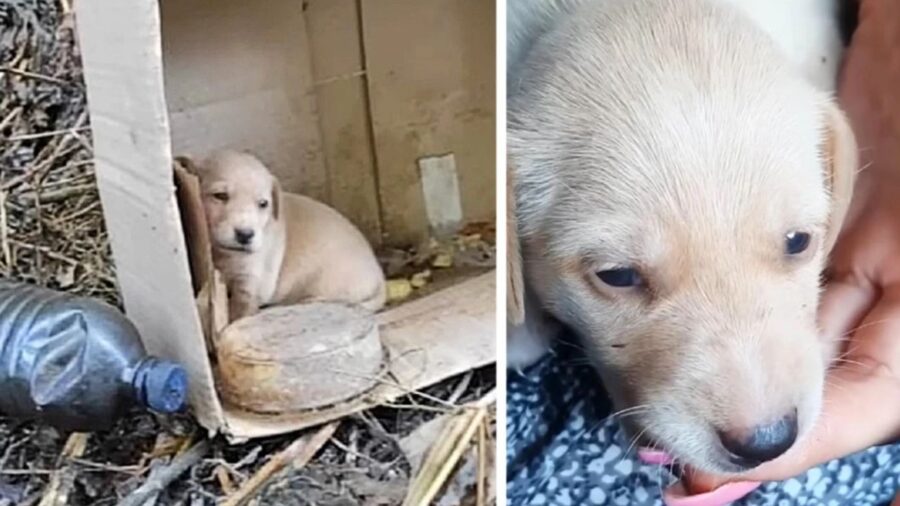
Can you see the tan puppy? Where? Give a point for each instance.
(274, 247)
(679, 182)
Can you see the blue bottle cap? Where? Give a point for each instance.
(165, 386)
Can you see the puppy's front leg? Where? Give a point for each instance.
(243, 299)
(530, 340)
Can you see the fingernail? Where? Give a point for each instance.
(676, 495)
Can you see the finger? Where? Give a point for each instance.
(851, 420)
(845, 426)
(843, 306)
(877, 339)
(856, 415)
(858, 409)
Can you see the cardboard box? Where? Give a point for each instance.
(341, 98)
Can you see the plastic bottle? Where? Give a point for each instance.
(77, 363)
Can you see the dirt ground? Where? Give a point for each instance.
(362, 464)
(52, 234)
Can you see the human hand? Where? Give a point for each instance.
(861, 304)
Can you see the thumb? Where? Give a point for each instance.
(855, 414)
(848, 423)
(844, 304)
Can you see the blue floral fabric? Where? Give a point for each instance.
(563, 449)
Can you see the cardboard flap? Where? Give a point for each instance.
(193, 221)
(121, 53)
(212, 298)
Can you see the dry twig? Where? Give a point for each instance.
(41, 135)
(455, 438)
(57, 491)
(483, 455)
(297, 454)
(32, 75)
(161, 477)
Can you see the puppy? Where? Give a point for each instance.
(276, 248)
(680, 173)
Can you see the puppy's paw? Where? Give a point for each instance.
(524, 346)
(527, 342)
(241, 304)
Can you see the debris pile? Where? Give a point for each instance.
(51, 222)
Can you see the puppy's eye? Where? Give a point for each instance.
(621, 278)
(262, 203)
(220, 196)
(796, 242)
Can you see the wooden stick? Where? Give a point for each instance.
(41, 135)
(461, 387)
(4, 233)
(480, 485)
(61, 481)
(161, 477)
(440, 460)
(58, 195)
(430, 466)
(41, 164)
(27, 472)
(354, 453)
(298, 454)
(9, 117)
(463, 443)
(32, 75)
(88, 465)
(453, 441)
(224, 479)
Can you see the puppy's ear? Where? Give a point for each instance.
(515, 283)
(188, 164)
(276, 199)
(841, 161)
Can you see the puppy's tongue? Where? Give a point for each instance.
(654, 457)
(692, 491)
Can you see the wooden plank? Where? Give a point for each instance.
(121, 55)
(431, 77)
(335, 46)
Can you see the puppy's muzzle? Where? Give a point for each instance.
(762, 443)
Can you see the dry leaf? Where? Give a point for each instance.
(398, 289)
(65, 276)
(442, 261)
(420, 279)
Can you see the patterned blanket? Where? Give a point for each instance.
(562, 449)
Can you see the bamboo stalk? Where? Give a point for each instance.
(481, 484)
(443, 459)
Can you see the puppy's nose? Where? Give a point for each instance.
(761, 443)
(243, 235)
